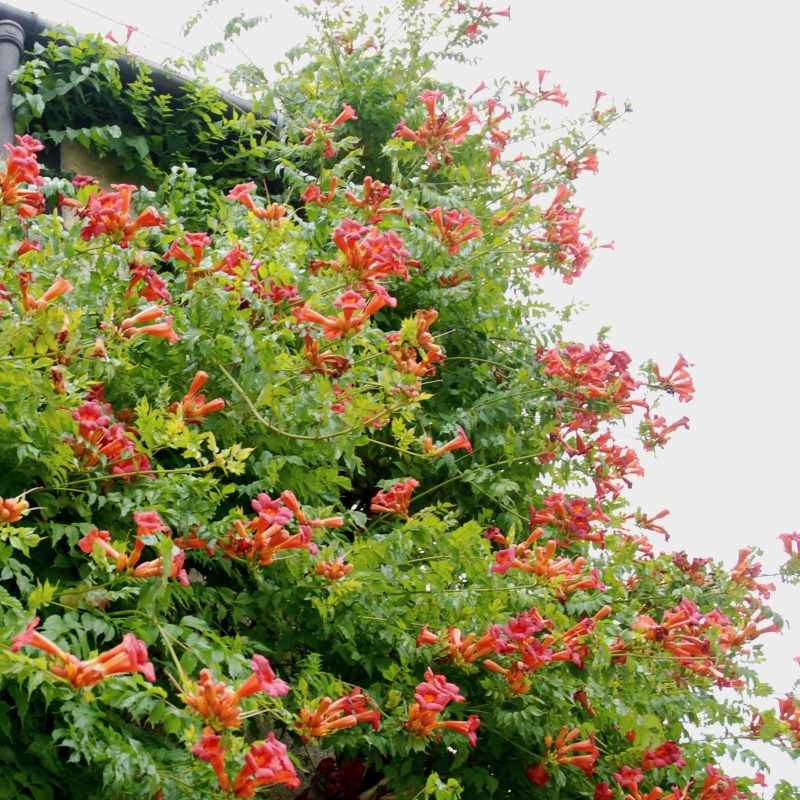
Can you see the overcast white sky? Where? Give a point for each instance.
(699, 194)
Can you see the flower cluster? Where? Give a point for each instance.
(564, 575)
(355, 311)
(564, 750)
(681, 633)
(313, 194)
(333, 570)
(554, 95)
(59, 287)
(326, 362)
(368, 255)
(22, 169)
(789, 713)
(130, 656)
(663, 756)
(481, 17)
(745, 572)
(791, 544)
(431, 698)
(153, 287)
(375, 201)
(101, 437)
(655, 432)
(718, 786)
(526, 654)
(330, 716)
(459, 442)
(461, 649)
(219, 705)
(148, 524)
(454, 228)
(420, 356)
(13, 509)
(266, 763)
(438, 133)
(593, 373)
(394, 500)
(108, 214)
(193, 406)
(497, 142)
(629, 778)
(570, 517)
(563, 246)
(614, 466)
(191, 251)
(695, 569)
(241, 193)
(318, 131)
(150, 321)
(677, 381)
(260, 538)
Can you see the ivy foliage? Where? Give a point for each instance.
(73, 87)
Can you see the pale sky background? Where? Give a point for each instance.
(699, 193)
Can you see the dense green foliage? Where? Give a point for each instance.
(71, 88)
(339, 381)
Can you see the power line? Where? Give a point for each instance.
(145, 34)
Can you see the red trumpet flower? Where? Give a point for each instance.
(335, 715)
(564, 750)
(274, 212)
(355, 312)
(265, 764)
(455, 227)
(319, 131)
(325, 363)
(262, 680)
(193, 405)
(333, 570)
(678, 382)
(22, 168)
(655, 432)
(313, 194)
(210, 749)
(59, 287)
(374, 200)
(108, 214)
(663, 756)
(218, 704)
(162, 329)
(13, 509)
(154, 288)
(394, 500)
(791, 544)
(197, 243)
(554, 95)
(419, 356)
(438, 133)
(458, 442)
(432, 697)
(129, 656)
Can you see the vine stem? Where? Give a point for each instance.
(395, 447)
(483, 466)
(173, 471)
(298, 436)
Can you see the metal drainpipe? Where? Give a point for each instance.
(12, 43)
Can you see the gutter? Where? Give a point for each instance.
(12, 43)
(20, 29)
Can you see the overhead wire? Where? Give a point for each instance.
(163, 42)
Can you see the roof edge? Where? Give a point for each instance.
(164, 80)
